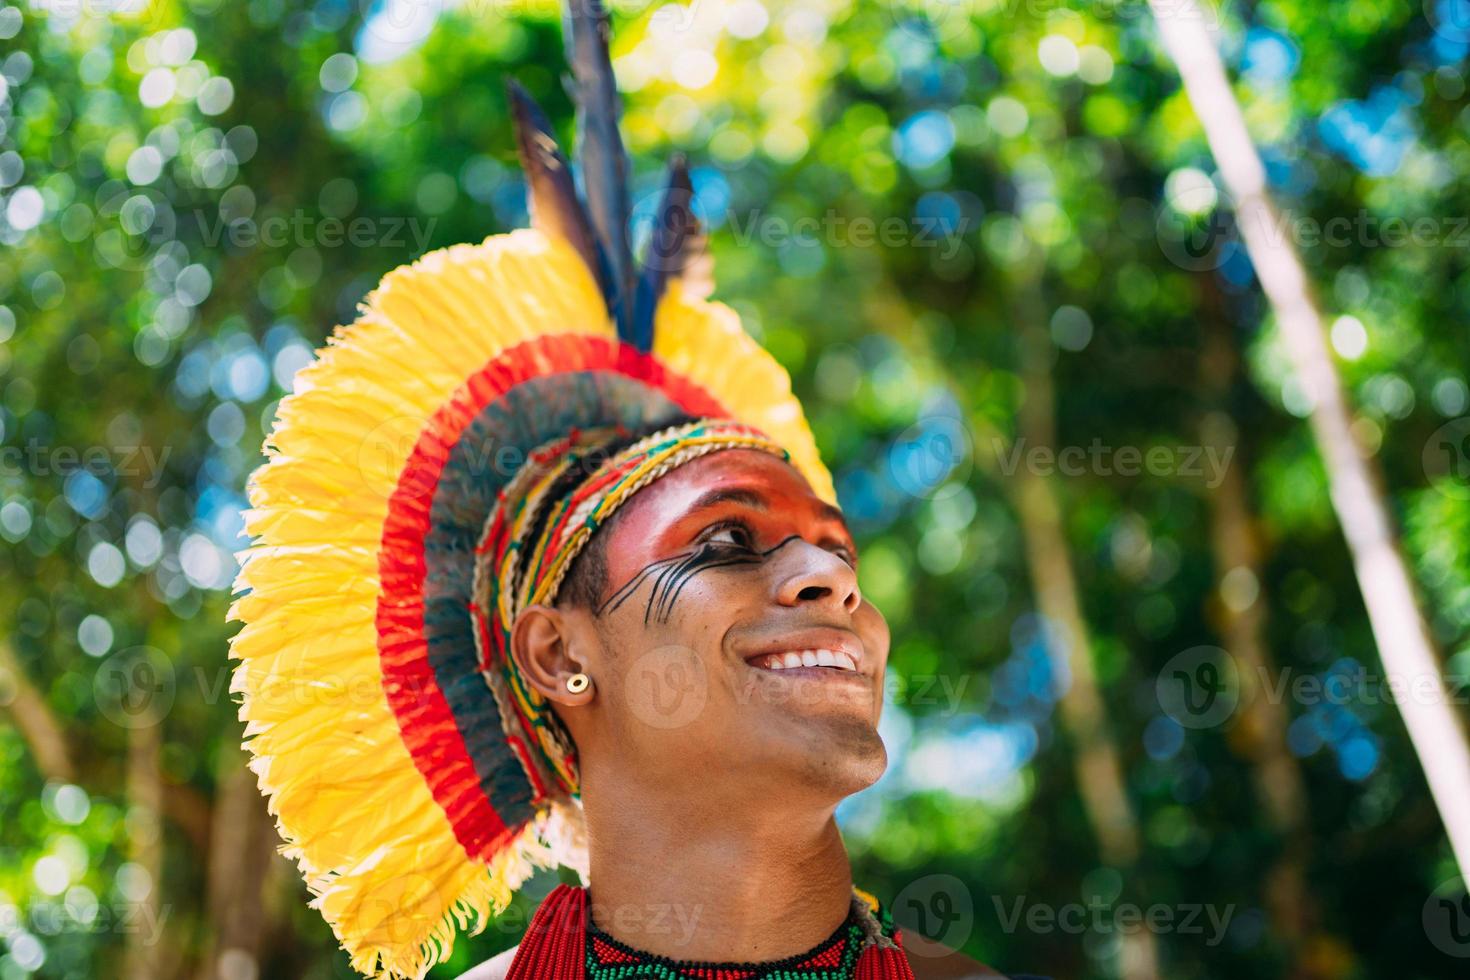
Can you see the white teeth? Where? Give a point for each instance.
(839, 660)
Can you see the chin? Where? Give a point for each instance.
(867, 763)
(836, 758)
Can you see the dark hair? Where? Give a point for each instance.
(587, 578)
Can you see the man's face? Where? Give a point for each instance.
(731, 638)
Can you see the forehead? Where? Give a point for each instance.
(676, 494)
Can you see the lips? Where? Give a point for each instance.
(819, 652)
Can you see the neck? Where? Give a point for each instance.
(718, 882)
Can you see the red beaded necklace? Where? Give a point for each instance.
(556, 947)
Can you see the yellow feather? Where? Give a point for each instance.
(704, 342)
(353, 811)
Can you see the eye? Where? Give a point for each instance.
(736, 534)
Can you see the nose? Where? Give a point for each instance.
(810, 574)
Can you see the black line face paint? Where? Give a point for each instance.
(670, 575)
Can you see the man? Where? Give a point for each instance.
(547, 572)
(711, 762)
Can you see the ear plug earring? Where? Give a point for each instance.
(578, 683)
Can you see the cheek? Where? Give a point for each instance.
(694, 615)
(705, 607)
(672, 675)
(873, 629)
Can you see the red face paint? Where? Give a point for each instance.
(759, 497)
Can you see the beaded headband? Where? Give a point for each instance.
(532, 538)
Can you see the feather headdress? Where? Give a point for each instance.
(394, 762)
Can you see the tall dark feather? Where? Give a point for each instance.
(677, 250)
(554, 206)
(600, 147)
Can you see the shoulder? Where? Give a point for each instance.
(935, 961)
(494, 968)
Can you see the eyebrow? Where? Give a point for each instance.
(832, 512)
(731, 495)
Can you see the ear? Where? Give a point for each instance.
(546, 646)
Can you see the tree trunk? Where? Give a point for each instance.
(35, 722)
(143, 957)
(242, 848)
(1099, 772)
(1240, 613)
(1389, 593)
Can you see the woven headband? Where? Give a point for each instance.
(533, 536)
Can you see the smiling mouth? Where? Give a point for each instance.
(836, 660)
